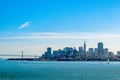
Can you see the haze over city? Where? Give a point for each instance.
(33, 25)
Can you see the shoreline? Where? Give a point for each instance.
(33, 59)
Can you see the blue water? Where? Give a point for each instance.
(41, 70)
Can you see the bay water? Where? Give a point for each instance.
(58, 70)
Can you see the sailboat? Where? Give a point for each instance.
(108, 61)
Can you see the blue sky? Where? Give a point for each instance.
(32, 25)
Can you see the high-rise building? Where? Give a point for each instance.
(75, 52)
(110, 54)
(84, 47)
(96, 51)
(56, 54)
(100, 48)
(68, 51)
(62, 53)
(118, 53)
(48, 54)
(81, 51)
(49, 50)
(91, 50)
(105, 51)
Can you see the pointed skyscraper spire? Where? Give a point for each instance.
(85, 51)
(84, 47)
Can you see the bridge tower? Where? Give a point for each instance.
(22, 55)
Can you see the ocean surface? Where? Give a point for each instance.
(53, 70)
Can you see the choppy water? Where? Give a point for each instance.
(40, 70)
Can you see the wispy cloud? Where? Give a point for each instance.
(26, 24)
(59, 40)
(93, 36)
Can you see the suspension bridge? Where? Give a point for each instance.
(18, 56)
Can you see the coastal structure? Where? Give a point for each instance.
(72, 54)
(82, 54)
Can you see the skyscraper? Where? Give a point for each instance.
(100, 48)
(48, 54)
(49, 50)
(84, 47)
(91, 50)
(105, 51)
(81, 51)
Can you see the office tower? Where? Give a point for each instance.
(56, 54)
(91, 50)
(49, 50)
(68, 51)
(110, 54)
(84, 47)
(48, 54)
(100, 48)
(62, 53)
(81, 51)
(118, 54)
(96, 50)
(75, 52)
(105, 51)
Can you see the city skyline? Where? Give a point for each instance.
(99, 46)
(80, 54)
(32, 26)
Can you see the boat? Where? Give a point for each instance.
(24, 62)
(108, 61)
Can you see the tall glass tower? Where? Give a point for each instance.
(49, 50)
(100, 48)
(84, 47)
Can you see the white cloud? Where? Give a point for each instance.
(26, 24)
(60, 40)
(48, 35)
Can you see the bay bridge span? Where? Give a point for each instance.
(18, 55)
